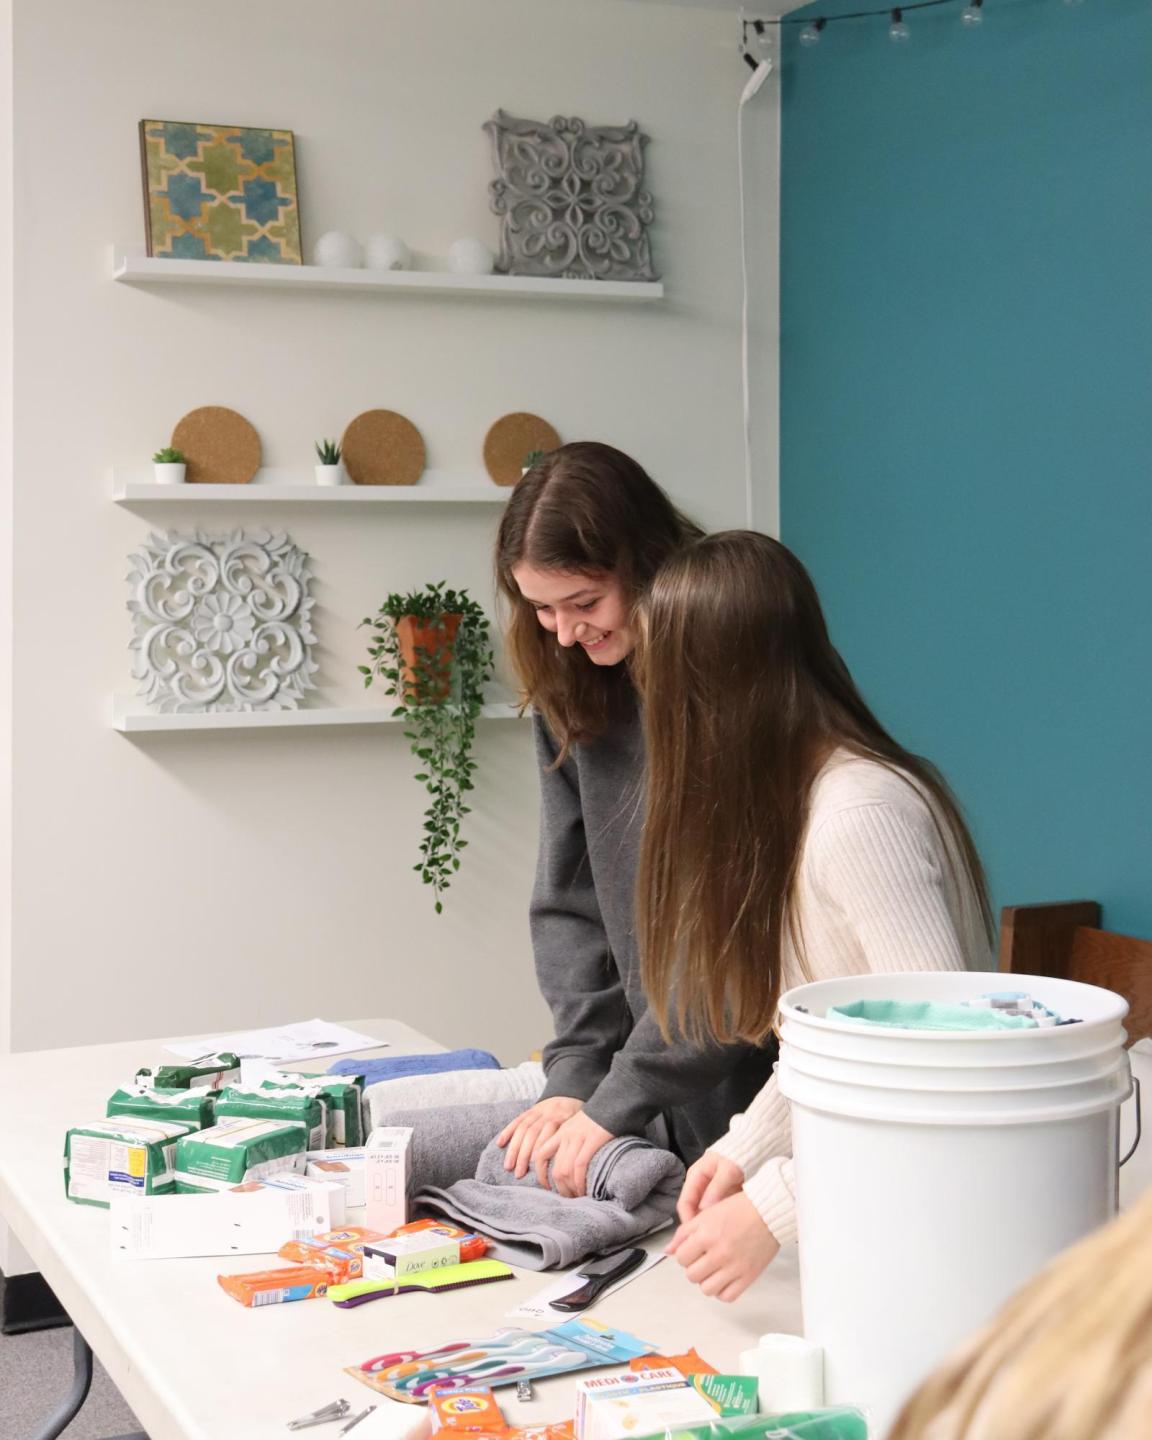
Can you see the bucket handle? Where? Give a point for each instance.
(1139, 1126)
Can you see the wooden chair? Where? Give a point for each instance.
(1065, 941)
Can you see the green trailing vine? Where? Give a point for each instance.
(441, 696)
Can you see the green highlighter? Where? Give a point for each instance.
(434, 1282)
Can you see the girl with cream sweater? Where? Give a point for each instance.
(788, 838)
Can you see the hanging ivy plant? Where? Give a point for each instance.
(433, 646)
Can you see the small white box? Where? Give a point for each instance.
(409, 1255)
(255, 1217)
(386, 1178)
(614, 1407)
(345, 1167)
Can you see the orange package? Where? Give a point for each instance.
(341, 1252)
(472, 1411)
(688, 1364)
(276, 1287)
(472, 1246)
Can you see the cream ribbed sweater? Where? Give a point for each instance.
(875, 892)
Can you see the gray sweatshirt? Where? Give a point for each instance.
(608, 1050)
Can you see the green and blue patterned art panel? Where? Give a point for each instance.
(220, 192)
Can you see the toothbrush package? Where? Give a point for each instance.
(503, 1359)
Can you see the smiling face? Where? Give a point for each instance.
(588, 610)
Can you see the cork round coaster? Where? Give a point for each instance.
(511, 440)
(220, 446)
(381, 447)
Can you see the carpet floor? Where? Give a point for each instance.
(36, 1375)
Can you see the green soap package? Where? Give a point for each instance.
(193, 1108)
(730, 1394)
(302, 1106)
(125, 1156)
(215, 1071)
(236, 1149)
(344, 1095)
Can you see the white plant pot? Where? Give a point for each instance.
(329, 474)
(170, 474)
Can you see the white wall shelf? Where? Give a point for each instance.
(436, 487)
(132, 267)
(130, 717)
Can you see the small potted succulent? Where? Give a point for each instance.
(329, 471)
(169, 466)
(532, 458)
(433, 646)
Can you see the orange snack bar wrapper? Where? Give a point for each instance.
(338, 1252)
(277, 1287)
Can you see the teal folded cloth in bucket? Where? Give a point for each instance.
(928, 1015)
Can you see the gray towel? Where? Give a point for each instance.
(447, 1143)
(453, 1087)
(632, 1191)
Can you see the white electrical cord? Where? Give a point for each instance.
(755, 81)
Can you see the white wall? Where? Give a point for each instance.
(181, 883)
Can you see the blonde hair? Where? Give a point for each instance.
(1068, 1358)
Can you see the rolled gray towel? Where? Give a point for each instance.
(632, 1191)
(447, 1144)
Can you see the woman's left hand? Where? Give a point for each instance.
(569, 1151)
(725, 1247)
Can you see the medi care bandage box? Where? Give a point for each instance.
(386, 1177)
(614, 1407)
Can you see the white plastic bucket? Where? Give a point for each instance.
(935, 1171)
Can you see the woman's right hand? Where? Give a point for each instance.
(710, 1180)
(532, 1128)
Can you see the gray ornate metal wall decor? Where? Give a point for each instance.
(572, 198)
(221, 623)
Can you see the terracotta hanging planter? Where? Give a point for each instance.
(437, 638)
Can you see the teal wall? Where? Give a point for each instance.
(966, 413)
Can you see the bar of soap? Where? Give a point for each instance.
(789, 1373)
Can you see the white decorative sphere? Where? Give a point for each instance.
(337, 251)
(387, 252)
(471, 257)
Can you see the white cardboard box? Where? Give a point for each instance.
(345, 1167)
(249, 1220)
(386, 1178)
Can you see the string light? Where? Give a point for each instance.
(971, 13)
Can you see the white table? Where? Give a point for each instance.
(195, 1365)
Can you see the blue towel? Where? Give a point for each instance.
(393, 1066)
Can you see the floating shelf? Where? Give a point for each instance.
(436, 487)
(130, 717)
(134, 268)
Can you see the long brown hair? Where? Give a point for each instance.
(1068, 1358)
(584, 509)
(744, 700)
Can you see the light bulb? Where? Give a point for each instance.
(898, 32)
(763, 40)
(810, 35)
(973, 13)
